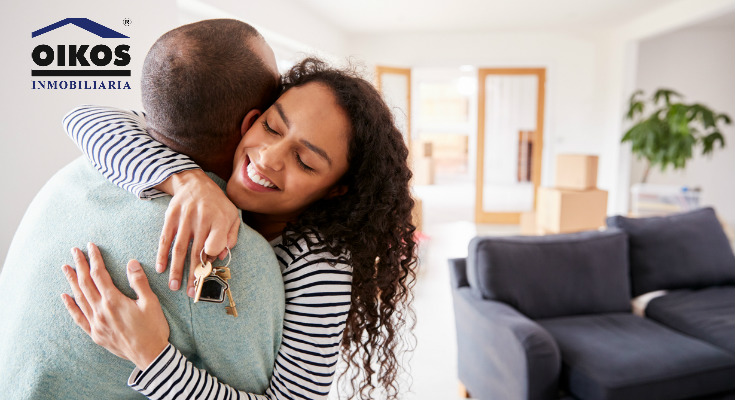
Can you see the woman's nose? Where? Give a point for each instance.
(272, 156)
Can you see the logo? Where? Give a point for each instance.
(92, 58)
(84, 23)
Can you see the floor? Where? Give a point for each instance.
(448, 215)
(448, 210)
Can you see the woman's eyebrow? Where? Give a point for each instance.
(318, 150)
(279, 108)
(311, 146)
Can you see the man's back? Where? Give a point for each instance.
(44, 355)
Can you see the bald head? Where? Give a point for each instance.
(201, 79)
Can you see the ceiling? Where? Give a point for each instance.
(381, 16)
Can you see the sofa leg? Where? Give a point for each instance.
(463, 393)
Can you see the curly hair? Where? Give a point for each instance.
(372, 221)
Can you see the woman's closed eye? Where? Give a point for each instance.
(299, 161)
(302, 164)
(269, 129)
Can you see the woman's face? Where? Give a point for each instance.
(293, 155)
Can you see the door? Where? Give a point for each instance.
(509, 142)
(395, 86)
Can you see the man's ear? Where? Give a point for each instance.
(249, 120)
(336, 191)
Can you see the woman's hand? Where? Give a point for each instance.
(199, 213)
(135, 330)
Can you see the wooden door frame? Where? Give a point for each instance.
(379, 71)
(482, 73)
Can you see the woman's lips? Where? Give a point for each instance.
(262, 184)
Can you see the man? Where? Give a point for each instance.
(203, 85)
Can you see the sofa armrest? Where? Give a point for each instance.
(501, 353)
(458, 272)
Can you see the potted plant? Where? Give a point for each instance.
(669, 132)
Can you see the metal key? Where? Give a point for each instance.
(224, 273)
(200, 272)
(231, 310)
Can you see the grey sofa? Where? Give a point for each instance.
(547, 317)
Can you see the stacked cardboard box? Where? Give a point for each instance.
(423, 163)
(574, 204)
(417, 214)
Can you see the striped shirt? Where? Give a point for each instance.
(317, 284)
(117, 144)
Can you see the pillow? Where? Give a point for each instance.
(687, 250)
(555, 275)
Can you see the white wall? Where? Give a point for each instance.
(290, 28)
(571, 62)
(33, 143)
(700, 64)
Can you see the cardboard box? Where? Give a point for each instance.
(564, 210)
(576, 171)
(423, 171)
(528, 224)
(417, 214)
(422, 149)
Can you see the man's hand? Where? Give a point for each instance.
(199, 213)
(135, 330)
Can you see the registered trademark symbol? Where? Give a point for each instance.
(127, 21)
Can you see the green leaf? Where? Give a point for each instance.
(666, 94)
(635, 94)
(725, 118)
(707, 116)
(635, 106)
(708, 142)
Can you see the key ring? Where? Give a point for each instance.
(229, 257)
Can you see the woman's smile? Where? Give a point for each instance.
(255, 179)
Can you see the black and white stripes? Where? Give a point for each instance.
(117, 144)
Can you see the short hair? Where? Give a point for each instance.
(201, 79)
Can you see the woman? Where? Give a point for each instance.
(357, 213)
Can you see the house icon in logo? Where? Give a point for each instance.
(84, 23)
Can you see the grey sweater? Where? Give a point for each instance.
(44, 355)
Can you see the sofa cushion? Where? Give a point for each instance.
(687, 250)
(623, 356)
(707, 314)
(555, 275)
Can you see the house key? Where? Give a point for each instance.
(200, 272)
(231, 310)
(224, 273)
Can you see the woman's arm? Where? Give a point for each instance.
(116, 143)
(118, 146)
(317, 302)
(317, 286)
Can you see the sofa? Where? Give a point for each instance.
(550, 317)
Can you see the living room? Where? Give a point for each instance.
(594, 55)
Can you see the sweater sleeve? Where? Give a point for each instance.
(117, 144)
(317, 287)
